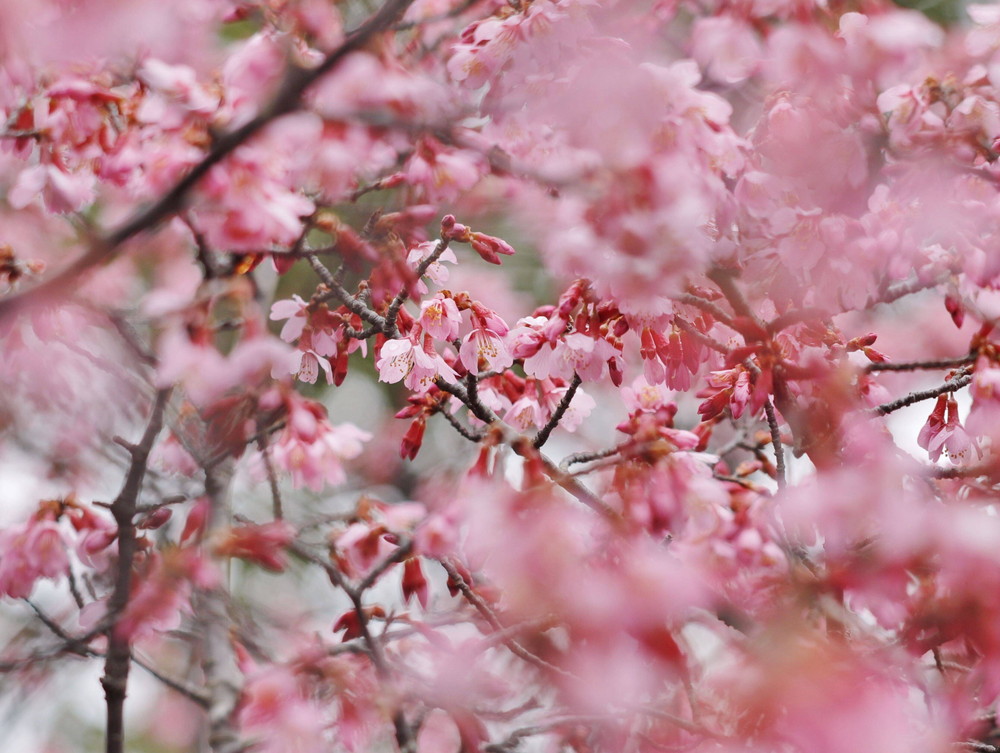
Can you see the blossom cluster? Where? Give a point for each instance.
(496, 376)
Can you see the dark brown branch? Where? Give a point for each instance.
(487, 613)
(907, 287)
(952, 385)
(403, 551)
(708, 342)
(707, 306)
(474, 404)
(779, 450)
(338, 291)
(587, 457)
(218, 662)
(287, 100)
(543, 436)
(795, 317)
(523, 447)
(726, 280)
(272, 478)
(116, 665)
(197, 695)
(944, 363)
(389, 329)
(470, 434)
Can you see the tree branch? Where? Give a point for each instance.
(116, 665)
(952, 385)
(287, 100)
(543, 436)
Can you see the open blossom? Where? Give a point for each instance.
(317, 461)
(484, 350)
(296, 314)
(436, 271)
(440, 318)
(576, 353)
(310, 448)
(417, 366)
(526, 413)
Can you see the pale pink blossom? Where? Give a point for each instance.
(437, 272)
(416, 366)
(484, 350)
(30, 551)
(440, 318)
(277, 716)
(295, 312)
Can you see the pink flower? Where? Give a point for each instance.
(437, 272)
(61, 191)
(944, 433)
(440, 318)
(311, 364)
(443, 173)
(309, 447)
(576, 353)
(579, 408)
(646, 397)
(318, 462)
(276, 714)
(526, 413)
(28, 552)
(261, 544)
(295, 312)
(484, 350)
(418, 367)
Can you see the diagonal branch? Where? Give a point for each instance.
(952, 385)
(287, 100)
(543, 436)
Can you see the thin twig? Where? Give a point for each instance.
(338, 291)
(272, 477)
(588, 457)
(470, 434)
(944, 363)
(494, 622)
(389, 327)
(726, 280)
(709, 342)
(543, 436)
(952, 385)
(779, 450)
(706, 305)
(795, 317)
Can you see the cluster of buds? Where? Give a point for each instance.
(487, 246)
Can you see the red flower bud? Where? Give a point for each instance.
(413, 438)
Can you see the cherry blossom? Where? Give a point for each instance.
(674, 311)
